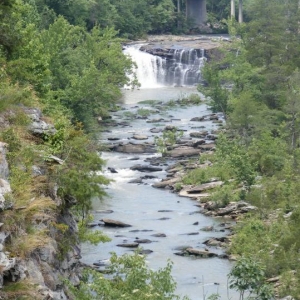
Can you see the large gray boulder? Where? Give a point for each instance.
(134, 148)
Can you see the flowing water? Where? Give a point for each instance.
(151, 210)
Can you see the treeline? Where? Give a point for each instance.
(131, 18)
(256, 84)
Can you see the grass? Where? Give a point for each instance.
(23, 290)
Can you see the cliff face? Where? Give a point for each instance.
(38, 239)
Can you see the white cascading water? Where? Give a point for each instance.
(181, 68)
(148, 67)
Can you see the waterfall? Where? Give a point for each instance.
(180, 67)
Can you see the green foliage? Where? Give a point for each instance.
(235, 156)
(168, 139)
(131, 279)
(248, 276)
(87, 69)
(224, 195)
(214, 297)
(92, 236)
(218, 95)
(143, 112)
(78, 176)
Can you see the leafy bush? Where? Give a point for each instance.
(249, 276)
(168, 138)
(130, 279)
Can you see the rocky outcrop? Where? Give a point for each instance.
(5, 188)
(38, 126)
(41, 261)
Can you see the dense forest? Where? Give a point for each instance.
(65, 57)
(256, 85)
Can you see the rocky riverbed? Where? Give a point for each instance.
(131, 136)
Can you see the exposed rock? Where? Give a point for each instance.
(184, 152)
(140, 137)
(142, 241)
(156, 120)
(235, 208)
(207, 147)
(204, 187)
(114, 223)
(207, 228)
(212, 137)
(164, 183)
(198, 119)
(199, 134)
(4, 189)
(199, 196)
(137, 180)
(112, 170)
(159, 235)
(145, 168)
(4, 172)
(145, 251)
(40, 128)
(134, 148)
(197, 143)
(215, 242)
(203, 253)
(213, 117)
(155, 130)
(55, 159)
(129, 245)
(200, 252)
(113, 138)
(170, 128)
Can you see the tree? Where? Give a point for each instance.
(248, 276)
(130, 279)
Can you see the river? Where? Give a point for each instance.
(150, 210)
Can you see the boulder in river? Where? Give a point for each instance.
(134, 148)
(145, 168)
(142, 241)
(159, 234)
(184, 152)
(200, 252)
(114, 223)
(129, 245)
(140, 137)
(164, 183)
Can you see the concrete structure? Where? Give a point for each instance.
(232, 10)
(196, 10)
(240, 11)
